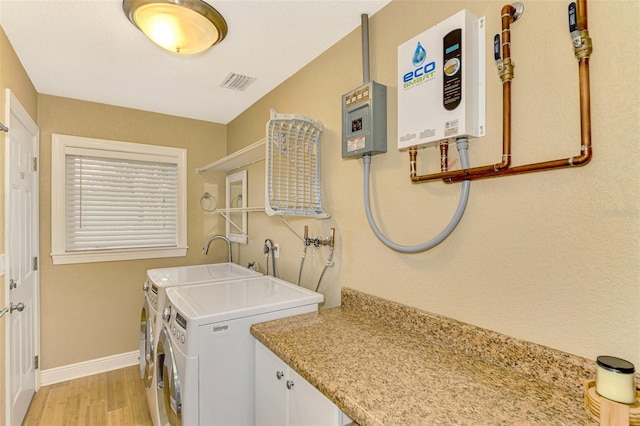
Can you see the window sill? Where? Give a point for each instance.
(117, 255)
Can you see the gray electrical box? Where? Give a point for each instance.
(364, 120)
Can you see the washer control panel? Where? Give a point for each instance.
(177, 325)
(152, 294)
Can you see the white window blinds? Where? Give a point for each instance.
(119, 203)
(114, 200)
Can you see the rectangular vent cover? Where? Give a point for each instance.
(237, 81)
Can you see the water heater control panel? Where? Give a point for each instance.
(364, 116)
(441, 82)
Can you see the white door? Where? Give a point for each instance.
(22, 250)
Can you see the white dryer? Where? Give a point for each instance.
(158, 280)
(205, 364)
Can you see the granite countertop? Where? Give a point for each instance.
(384, 363)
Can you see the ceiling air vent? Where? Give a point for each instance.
(237, 81)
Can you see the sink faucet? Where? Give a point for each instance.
(205, 249)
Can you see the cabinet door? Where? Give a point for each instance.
(284, 398)
(271, 397)
(308, 406)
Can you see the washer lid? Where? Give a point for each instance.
(181, 275)
(213, 302)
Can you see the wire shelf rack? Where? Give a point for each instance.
(293, 166)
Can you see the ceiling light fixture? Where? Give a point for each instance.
(180, 26)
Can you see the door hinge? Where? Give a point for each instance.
(35, 263)
(36, 361)
(35, 164)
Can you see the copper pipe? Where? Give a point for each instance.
(506, 127)
(506, 75)
(585, 138)
(583, 23)
(457, 175)
(582, 52)
(444, 156)
(413, 153)
(506, 15)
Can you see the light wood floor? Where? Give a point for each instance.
(114, 398)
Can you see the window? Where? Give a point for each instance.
(116, 200)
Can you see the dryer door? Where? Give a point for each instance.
(169, 399)
(146, 343)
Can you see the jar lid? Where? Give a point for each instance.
(617, 365)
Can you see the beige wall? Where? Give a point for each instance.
(12, 76)
(92, 310)
(549, 257)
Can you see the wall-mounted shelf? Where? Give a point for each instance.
(292, 174)
(239, 210)
(245, 157)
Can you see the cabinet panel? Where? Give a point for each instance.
(298, 404)
(308, 406)
(271, 392)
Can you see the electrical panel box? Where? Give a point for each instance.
(441, 82)
(364, 120)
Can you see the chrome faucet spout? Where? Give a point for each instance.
(205, 249)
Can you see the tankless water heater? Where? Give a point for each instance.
(441, 82)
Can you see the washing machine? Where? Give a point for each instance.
(156, 283)
(146, 343)
(205, 368)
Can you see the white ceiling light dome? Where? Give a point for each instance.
(180, 26)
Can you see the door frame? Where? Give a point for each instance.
(14, 107)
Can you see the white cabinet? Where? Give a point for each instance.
(271, 375)
(283, 397)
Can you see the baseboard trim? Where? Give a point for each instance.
(87, 368)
